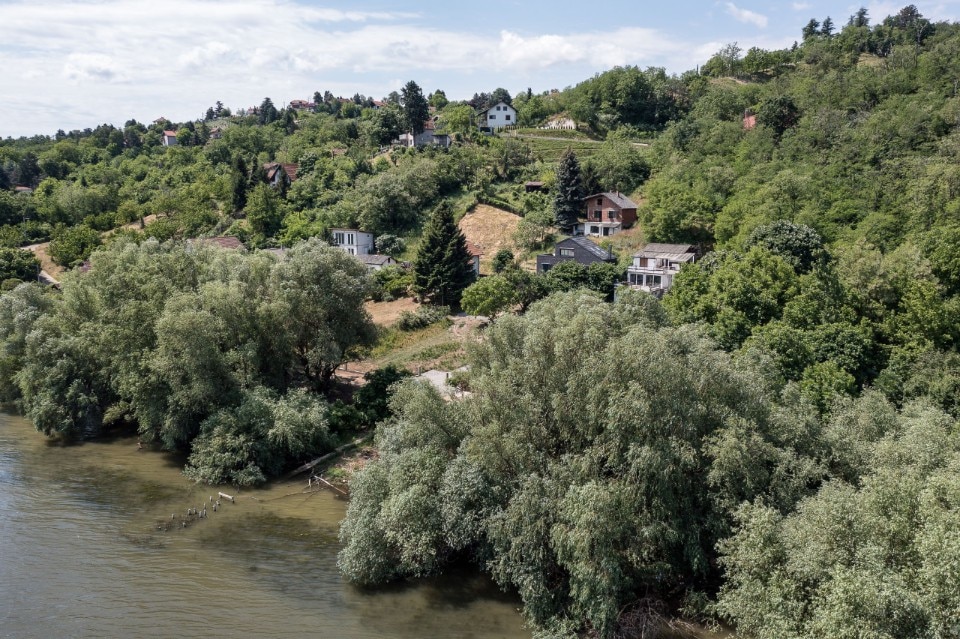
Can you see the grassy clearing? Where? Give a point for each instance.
(551, 150)
(490, 229)
(432, 347)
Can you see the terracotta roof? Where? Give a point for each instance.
(619, 199)
(170, 133)
(472, 248)
(429, 125)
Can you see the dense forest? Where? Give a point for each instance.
(773, 445)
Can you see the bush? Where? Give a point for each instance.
(392, 282)
(422, 317)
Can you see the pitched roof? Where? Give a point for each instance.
(617, 198)
(374, 260)
(587, 245)
(473, 250)
(673, 252)
(170, 133)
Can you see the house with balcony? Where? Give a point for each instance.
(606, 214)
(576, 249)
(655, 266)
(352, 241)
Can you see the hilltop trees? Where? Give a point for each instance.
(568, 199)
(443, 265)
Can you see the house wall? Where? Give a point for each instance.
(597, 209)
(353, 242)
(498, 116)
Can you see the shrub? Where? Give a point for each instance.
(422, 317)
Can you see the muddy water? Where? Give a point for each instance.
(81, 555)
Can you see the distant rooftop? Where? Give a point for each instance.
(618, 198)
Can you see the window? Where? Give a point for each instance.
(545, 267)
(498, 107)
(566, 252)
(493, 117)
(611, 214)
(350, 238)
(506, 117)
(338, 238)
(598, 215)
(595, 230)
(656, 280)
(350, 251)
(599, 201)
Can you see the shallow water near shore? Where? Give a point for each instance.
(88, 549)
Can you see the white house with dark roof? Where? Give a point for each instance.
(496, 117)
(655, 266)
(352, 241)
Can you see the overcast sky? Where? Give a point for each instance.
(77, 64)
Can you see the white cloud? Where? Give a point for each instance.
(800, 6)
(747, 16)
(95, 67)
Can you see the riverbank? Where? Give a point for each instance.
(83, 557)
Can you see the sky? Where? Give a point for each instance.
(76, 64)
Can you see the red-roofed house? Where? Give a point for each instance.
(169, 138)
(277, 171)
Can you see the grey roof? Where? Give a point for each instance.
(673, 252)
(374, 260)
(587, 245)
(619, 199)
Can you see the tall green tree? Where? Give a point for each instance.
(443, 265)
(416, 109)
(568, 199)
(268, 112)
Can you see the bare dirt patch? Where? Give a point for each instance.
(490, 229)
(387, 313)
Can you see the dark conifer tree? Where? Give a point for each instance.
(569, 197)
(239, 183)
(442, 268)
(416, 109)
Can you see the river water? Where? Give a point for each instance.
(81, 555)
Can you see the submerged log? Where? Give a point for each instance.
(321, 479)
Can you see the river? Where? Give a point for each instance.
(81, 555)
